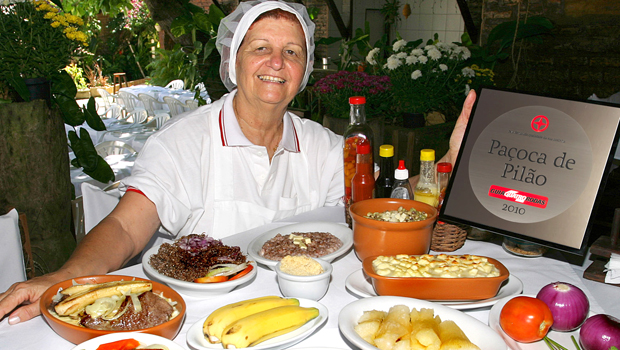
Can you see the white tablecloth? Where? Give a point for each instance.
(121, 164)
(158, 92)
(534, 272)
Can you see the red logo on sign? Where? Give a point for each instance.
(525, 198)
(539, 123)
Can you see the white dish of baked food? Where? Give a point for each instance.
(341, 231)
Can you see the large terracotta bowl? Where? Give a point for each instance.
(374, 237)
(78, 335)
(437, 288)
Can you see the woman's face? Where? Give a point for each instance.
(271, 61)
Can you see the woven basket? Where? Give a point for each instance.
(448, 237)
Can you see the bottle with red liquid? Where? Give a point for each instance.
(363, 182)
(357, 131)
(443, 177)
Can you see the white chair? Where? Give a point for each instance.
(192, 104)
(11, 254)
(177, 84)
(107, 148)
(97, 204)
(111, 107)
(130, 101)
(152, 105)
(176, 107)
(160, 119)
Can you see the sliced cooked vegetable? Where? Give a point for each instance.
(211, 279)
(125, 344)
(568, 304)
(226, 269)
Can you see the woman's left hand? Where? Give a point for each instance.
(459, 129)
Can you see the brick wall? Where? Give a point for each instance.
(581, 57)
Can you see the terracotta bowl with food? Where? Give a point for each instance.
(78, 334)
(374, 237)
(437, 288)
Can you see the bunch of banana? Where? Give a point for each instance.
(80, 296)
(249, 322)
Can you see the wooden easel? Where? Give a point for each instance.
(601, 252)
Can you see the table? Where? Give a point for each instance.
(534, 272)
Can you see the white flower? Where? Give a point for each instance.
(423, 59)
(401, 55)
(370, 58)
(461, 52)
(416, 74)
(434, 54)
(429, 47)
(443, 67)
(443, 46)
(467, 88)
(468, 72)
(417, 52)
(393, 62)
(411, 60)
(399, 45)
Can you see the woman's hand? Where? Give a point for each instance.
(459, 129)
(26, 295)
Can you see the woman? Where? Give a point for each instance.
(227, 167)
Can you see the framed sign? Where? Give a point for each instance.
(532, 167)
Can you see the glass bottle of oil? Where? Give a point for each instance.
(426, 189)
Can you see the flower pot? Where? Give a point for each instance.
(39, 88)
(82, 94)
(413, 120)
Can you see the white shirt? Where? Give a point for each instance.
(205, 176)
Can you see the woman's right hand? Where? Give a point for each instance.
(21, 301)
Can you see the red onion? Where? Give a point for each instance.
(568, 304)
(600, 332)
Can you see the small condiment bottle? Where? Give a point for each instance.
(402, 187)
(385, 181)
(363, 182)
(444, 170)
(426, 189)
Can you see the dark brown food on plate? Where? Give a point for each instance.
(154, 311)
(313, 244)
(191, 256)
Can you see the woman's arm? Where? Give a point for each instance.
(107, 247)
(457, 134)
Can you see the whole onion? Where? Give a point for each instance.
(568, 304)
(600, 332)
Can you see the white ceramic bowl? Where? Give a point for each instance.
(341, 231)
(307, 287)
(199, 290)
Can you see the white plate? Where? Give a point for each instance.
(563, 338)
(196, 339)
(361, 286)
(143, 338)
(477, 332)
(341, 231)
(199, 290)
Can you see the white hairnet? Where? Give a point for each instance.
(233, 28)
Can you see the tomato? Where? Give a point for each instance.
(125, 344)
(526, 319)
(211, 279)
(242, 273)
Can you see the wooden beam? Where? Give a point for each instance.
(470, 27)
(342, 28)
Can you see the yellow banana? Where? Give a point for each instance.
(219, 319)
(267, 324)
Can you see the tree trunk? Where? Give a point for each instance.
(34, 178)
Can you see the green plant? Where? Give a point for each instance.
(335, 89)
(433, 77)
(77, 74)
(38, 41)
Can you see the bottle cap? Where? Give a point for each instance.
(363, 148)
(444, 167)
(357, 100)
(427, 155)
(386, 151)
(401, 173)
